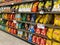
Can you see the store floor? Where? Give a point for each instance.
(6, 39)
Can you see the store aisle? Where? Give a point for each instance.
(6, 39)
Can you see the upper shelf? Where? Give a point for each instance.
(31, 12)
(15, 3)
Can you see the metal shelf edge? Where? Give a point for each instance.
(17, 3)
(47, 25)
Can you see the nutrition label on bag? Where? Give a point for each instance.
(40, 26)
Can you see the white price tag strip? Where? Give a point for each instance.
(0, 18)
(41, 12)
(12, 12)
(12, 3)
(14, 21)
(40, 26)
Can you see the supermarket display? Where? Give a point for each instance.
(29, 7)
(28, 21)
(15, 0)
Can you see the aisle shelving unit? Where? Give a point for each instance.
(45, 37)
(18, 3)
(41, 13)
(11, 3)
(33, 23)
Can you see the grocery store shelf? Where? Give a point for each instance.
(7, 3)
(20, 12)
(42, 13)
(47, 25)
(42, 36)
(11, 3)
(53, 12)
(27, 22)
(18, 37)
(16, 28)
(27, 31)
(56, 41)
(22, 21)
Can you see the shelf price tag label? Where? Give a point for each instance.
(40, 26)
(0, 18)
(14, 21)
(41, 12)
(13, 12)
(12, 3)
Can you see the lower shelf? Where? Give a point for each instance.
(45, 37)
(18, 37)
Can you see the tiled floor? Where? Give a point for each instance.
(6, 39)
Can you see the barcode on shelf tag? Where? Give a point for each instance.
(14, 21)
(41, 12)
(40, 26)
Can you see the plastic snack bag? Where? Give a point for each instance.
(56, 34)
(49, 33)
